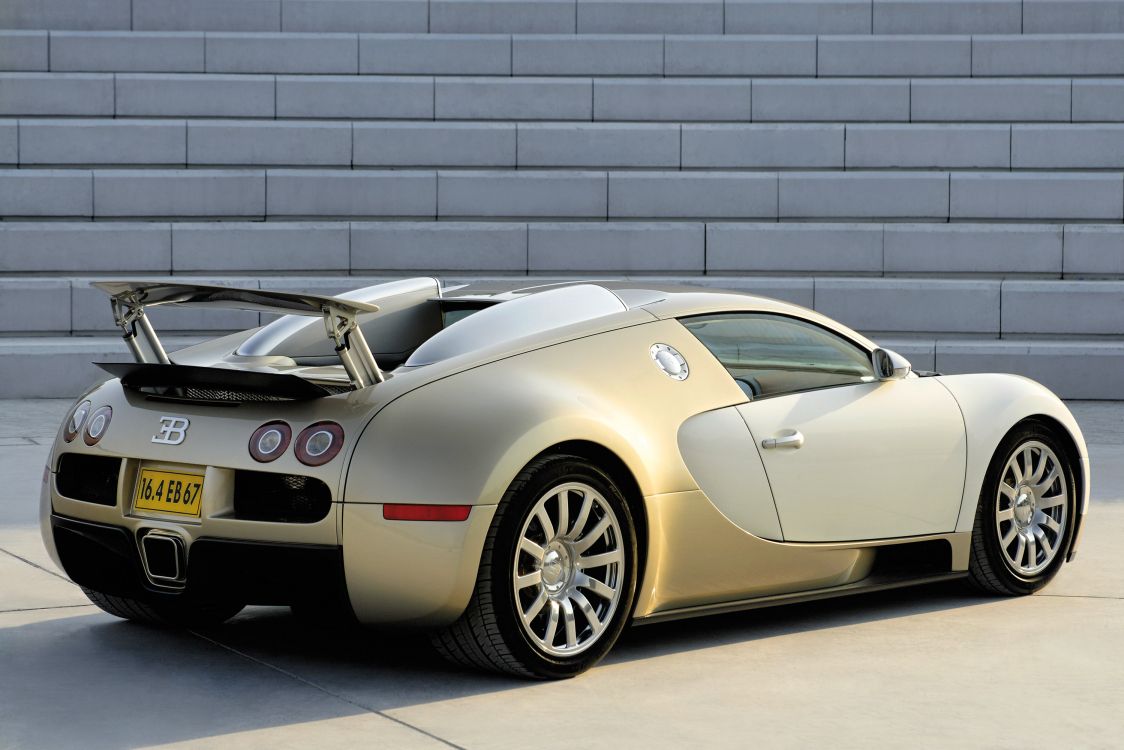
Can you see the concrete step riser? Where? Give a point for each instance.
(988, 309)
(561, 194)
(607, 99)
(570, 16)
(554, 55)
(870, 249)
(109, 142)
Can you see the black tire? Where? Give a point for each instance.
(988, 567)
(489, 634)
(164, 614)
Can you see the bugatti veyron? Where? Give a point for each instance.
(526, 473)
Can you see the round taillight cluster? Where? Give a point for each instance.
(269, 441)
(319, 443)
(75, 421)
(97, 425)
(316, 444)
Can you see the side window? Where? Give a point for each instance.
(770, 354)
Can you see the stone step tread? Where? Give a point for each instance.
(561, 54)
(570, 16)
(562, 194)
(112, 143)
(707, 96)
(717, 247)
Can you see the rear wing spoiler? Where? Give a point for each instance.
(130, 299)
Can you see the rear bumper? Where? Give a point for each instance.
(107, 558)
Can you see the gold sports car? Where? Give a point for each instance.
(526, 473)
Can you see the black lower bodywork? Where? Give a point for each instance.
(107, 559)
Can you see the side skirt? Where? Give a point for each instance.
(869, 584)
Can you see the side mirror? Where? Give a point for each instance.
(889, 365)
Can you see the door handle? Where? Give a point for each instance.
(792, 440)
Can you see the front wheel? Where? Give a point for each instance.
(557, 577)
(1025, 515)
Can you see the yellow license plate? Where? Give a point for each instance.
(169, 492)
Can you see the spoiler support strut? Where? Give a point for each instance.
(351, 346)
(341, 318)
(128, 313)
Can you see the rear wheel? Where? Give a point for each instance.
(1025, 515)
(557, 577)
(194, 615)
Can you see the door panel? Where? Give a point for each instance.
(877, 460)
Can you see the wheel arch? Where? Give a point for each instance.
(994, 404)
(1072, 450)
(622, 475)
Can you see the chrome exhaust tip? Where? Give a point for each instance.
(163, 555)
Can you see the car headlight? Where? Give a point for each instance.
(97, 425)
(269, 441)
(319, 443)
(75, 420)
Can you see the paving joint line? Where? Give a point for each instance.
(40, 609)
(321, 688)
(36, 565)
(1081, 596)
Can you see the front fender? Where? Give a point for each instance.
(994, 403)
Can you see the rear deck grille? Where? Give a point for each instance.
(223, 395)
(218, 385)
(283, 498)
(91, 479)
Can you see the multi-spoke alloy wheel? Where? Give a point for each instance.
(568, 569)
(1024, 519)
(1031, 508)
(557, 576)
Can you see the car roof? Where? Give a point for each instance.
(632, 293)
(660, 300)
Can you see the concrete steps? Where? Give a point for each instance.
(945, 175)
(1015, 251)
(1076, 367)
(570, 16)
(562, 98)
(979, 308)
(552, 55)
(560, 194)
(111, 142)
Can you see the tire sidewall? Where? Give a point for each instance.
(519, 504)
(1018, 582)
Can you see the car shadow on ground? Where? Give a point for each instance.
(131, 685)
(388, 669)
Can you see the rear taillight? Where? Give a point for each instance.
(319, 443)
(75, 420)
(269, 441)
(97, 425)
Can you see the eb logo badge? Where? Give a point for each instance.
(173, 430)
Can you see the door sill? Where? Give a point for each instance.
(869, 584)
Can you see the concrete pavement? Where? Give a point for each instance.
(928, 667)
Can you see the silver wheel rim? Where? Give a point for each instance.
(1031, 508)
(569, 569)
